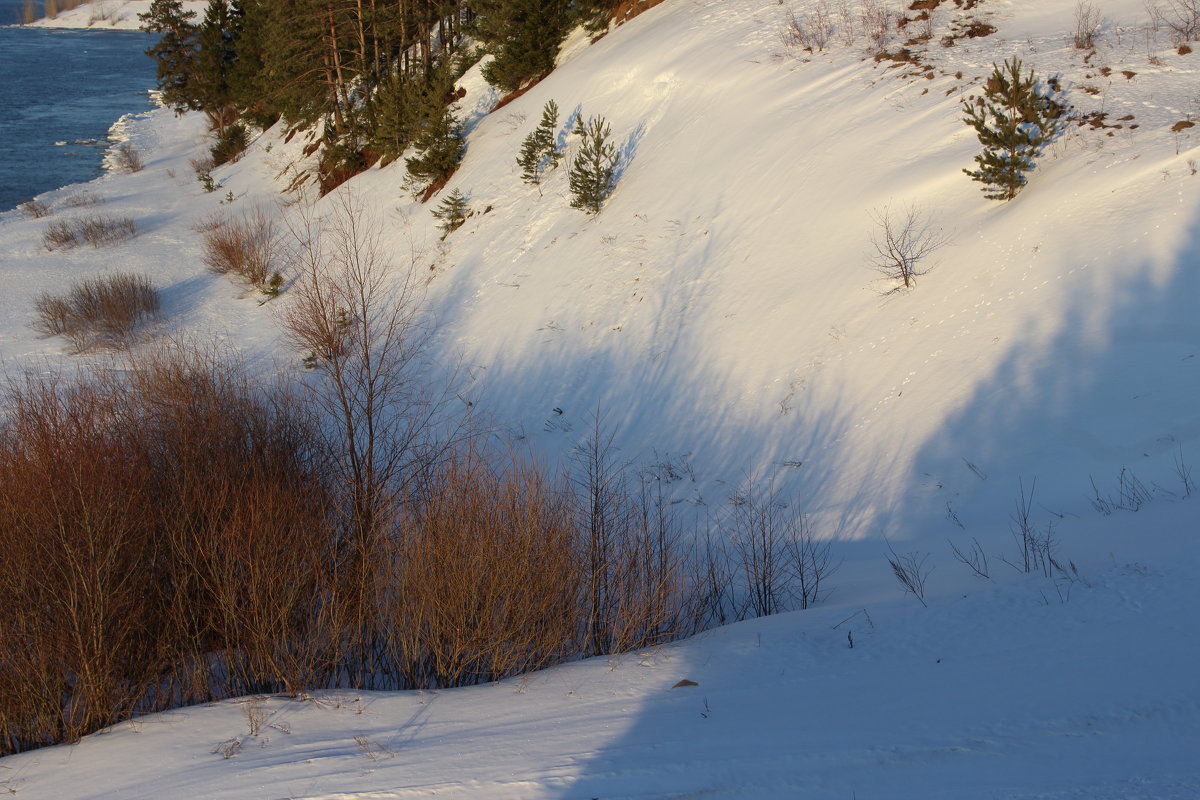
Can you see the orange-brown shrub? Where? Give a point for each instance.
(245, 246)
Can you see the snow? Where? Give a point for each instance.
(120, 15)
(721, 314)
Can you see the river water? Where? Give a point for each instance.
(60, 90)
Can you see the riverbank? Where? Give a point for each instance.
(119, 15)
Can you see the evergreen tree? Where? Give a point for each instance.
(1014, 120)
(523, 37)
(540, 146)
(546, 134)
(452, 212)
(530, 161)
(594, 168)
(214, 60)
(174, 53)
(249, 94)
(440, 149)
(401, 104)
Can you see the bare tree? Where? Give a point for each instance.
(902, 243)
(357, 316)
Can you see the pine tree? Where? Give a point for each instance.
(530, 160)
(523, 37)
(1014, 120)
(248, 90)
(452, 212)
(214, 59)
(540, 146)
(546, 132)
(174, 53)
(440, 149)
(594, 168)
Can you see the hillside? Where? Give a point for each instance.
(721, 316)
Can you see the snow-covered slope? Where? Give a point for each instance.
(721, 314)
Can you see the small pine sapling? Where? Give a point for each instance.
(530, 160)
(1015, 119)
(545, 134)
(452, 212)
(594, 168)
(539, 147)
(273, 286)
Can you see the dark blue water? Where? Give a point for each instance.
(63, 86)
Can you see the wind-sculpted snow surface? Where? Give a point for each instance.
(722, 316)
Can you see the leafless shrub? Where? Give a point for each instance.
(711, 577)
(1037, 548)
(846, 23)
(633, 561)
(83, 199)
(100, 11)
(910, 571)
(100, 311)
(256, 715)
(486, 582)
(34, 209)
(780, 563)
(228, 748)
(1087, 24)
(903, 241)
(811, 30)
(99, 230)
(247, 246)
(975, 559)
(201, 165)
(59, 235)
(1184, 471)
(875, 20)
(126, 158)
(372, 750)
(1182, 18)
(96, 230)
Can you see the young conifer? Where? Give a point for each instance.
(452, 212)
(545, 134)
(1014, 120)
(530, 160)
(594, 167)
(540, 147)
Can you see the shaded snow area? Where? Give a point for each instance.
(721, 315)
(120, 15)
(1024, 689)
